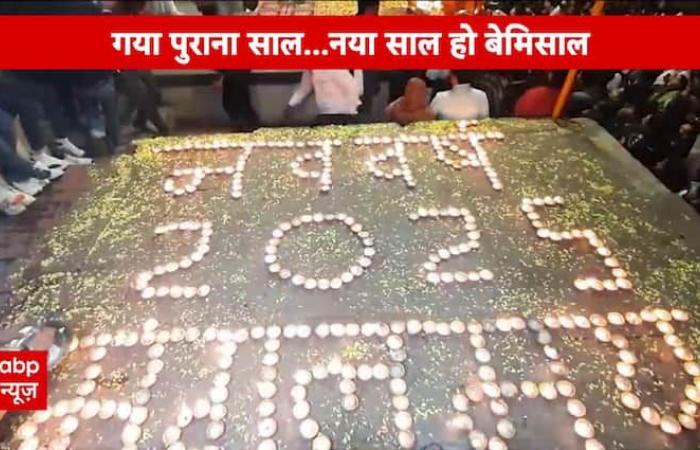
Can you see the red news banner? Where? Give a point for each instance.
(23, 380)
(403, 42)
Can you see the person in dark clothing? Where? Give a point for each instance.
(95, 89)
(237, 102)
(141, 91)
(335, 119)
(370, 87)
(12, 167)
(367, 7)
(636, 138)
(100, 109)
(138, 86)
(371, 78)
(35, 103)
(670, 106)
(673, 171)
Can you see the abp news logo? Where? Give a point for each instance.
(24, 380)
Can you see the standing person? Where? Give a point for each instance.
(235, 84)
(237, 102)
(413, 106)
(337, 94)
(96, 95)
(141, 90)
(371, 79)
(462, 102)
(139, 86)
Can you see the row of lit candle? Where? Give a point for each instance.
(474, 157)
(325, 157)
(267, 388)
(627, 361)
(386, 140)
(430, 267)
(309, 428)
(464, 158)
(396, 152)
(484, 161)
(197, 174)
(135, 412)
(485, 387)
(196, 177)
(209, 408)
(463, 125)
(206, 143)
(620, 280)
(361, 265)
(237, 177)
(142, 281)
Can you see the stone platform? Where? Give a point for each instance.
(512, 338)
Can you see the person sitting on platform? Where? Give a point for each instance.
(36, 104)
(462, 102)
(19, 176)
(413, 106)
(337, 94)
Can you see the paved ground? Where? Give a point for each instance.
(18, 234)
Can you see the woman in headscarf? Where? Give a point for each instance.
(413, 106)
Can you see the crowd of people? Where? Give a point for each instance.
(52, 108)
(653, 114)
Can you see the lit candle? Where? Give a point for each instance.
(630, 400)
(575, 407)
(670, 425)
(650, 415)
(584, 428)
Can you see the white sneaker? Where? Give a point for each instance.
(40, 166)
(77, 161)
(26, 199)
(70, 148)
(49, 161)
(11, 202)
(56, 173)
(13, 210)
(32, 186)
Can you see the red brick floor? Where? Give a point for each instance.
(19, 234)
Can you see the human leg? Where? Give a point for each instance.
(148, 107)
(31, 116)
(99, 106)
(237, 101)
(12, 167)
